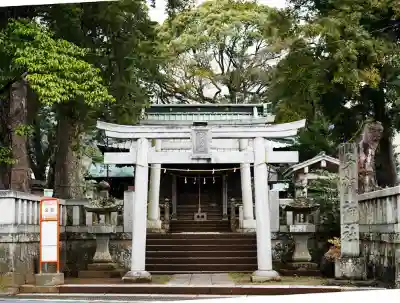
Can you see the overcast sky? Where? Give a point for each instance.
(158, 13)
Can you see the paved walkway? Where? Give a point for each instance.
(201, 279)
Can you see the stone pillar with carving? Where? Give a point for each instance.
(350, 266)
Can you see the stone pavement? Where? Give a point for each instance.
(201, 279)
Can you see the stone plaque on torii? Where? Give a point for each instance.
(144, 155)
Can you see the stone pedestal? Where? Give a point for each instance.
(351, 268)
(49, 279)
(249, 225)
(154, 226)
(301, 253)
(301, 233)
(260, 276)
(103, 265)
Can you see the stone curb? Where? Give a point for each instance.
(250, 290)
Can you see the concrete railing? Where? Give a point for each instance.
(23, 209)
(381, 207)
(237, 217)
(379, 218)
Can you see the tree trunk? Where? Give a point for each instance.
(385, 162)
(40, 152)
(20, 171)
(5, 143)
(68, 176)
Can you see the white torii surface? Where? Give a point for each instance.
(178, 132)
(132, 132)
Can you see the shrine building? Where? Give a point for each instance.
(188, 165)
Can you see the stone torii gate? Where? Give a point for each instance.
(144, 155)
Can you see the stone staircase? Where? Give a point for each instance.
(201, 252)
(188, 206)
(200, 246)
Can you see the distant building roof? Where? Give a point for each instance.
(99, 170)
(320, 157)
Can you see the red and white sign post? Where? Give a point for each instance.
(49, 232)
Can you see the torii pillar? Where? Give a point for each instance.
(137, 272)
(263, 221)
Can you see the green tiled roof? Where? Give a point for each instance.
(206, 112)
(99, 170)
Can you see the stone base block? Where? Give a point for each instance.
(303, 265)
(154, 225)
(49, 279)
(86, 274)
(137, 277)
(357, 283)
(9, 291)
(249, 224)
(12, 279)
(351, 268)
(33, 289)
(265, 276)
(102, 266)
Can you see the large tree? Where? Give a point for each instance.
(55, 73)
(221, 51)
(345, 67)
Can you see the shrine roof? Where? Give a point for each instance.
(212, 113)
(320, 157)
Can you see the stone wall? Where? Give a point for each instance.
(380, 234)
(19, 237)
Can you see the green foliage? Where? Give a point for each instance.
(55, 68)
(221, 50)
(6, 156)
(324, 191)
(24, 130)
(120, 40)
(343, 67)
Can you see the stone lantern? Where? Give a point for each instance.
(102, 205)
(301, 229)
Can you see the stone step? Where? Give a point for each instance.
(189, 211)
(200, 229)
(195, 260)
(187, 217)
(202, 253)
(210, 241)
(227, 235)
(186, 222)
(203, 230)
(201, 267)
(211, 206)
(205, 247)
(195, 210)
